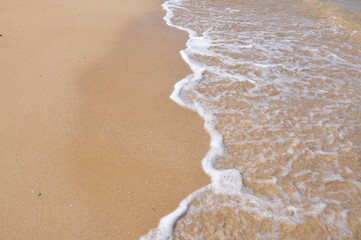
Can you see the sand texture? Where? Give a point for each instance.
(91, 147)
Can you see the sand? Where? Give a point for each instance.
(91, 146)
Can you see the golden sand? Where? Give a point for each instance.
(91, 147)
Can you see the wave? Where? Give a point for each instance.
(277, 85)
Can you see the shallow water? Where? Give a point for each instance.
(279, 86)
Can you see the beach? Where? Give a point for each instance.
(91, 146)
(117, 125)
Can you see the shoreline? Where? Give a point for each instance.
(89, 150)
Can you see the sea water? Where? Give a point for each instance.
(278, 84)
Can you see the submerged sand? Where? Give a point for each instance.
(281, 84)
(91, 147)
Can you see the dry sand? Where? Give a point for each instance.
(91, 147)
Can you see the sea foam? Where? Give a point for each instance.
(277, 85)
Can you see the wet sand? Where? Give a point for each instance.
(91, 146)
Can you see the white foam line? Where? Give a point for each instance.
(166, 225)
(223, 181)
